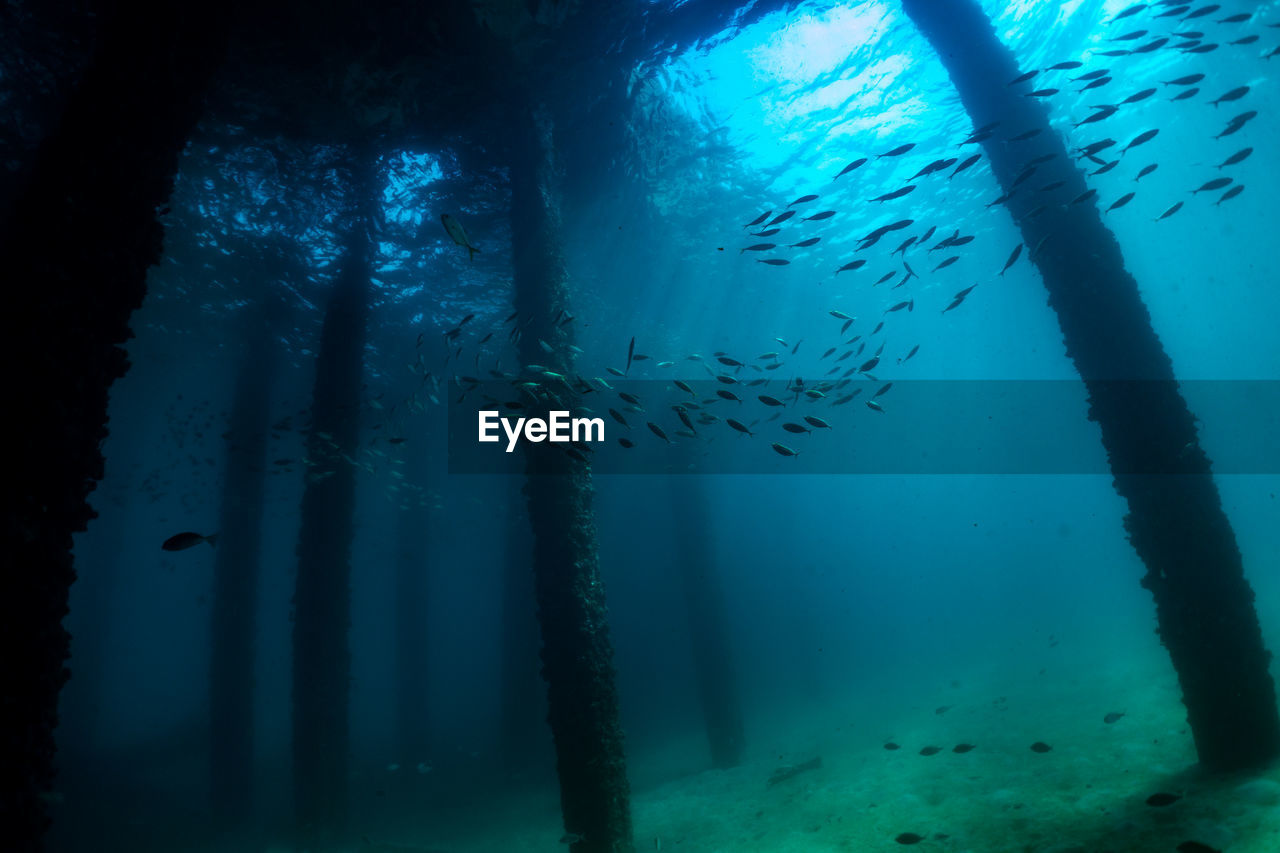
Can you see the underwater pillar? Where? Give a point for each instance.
(708, 628)
(235, 583)
(577, 653)
(522, 733)
(75, 247)
(322, 596)
(1204, 605)
(412, 577)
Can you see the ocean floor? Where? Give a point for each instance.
(1087, 793)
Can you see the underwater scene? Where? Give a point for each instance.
(769, 426)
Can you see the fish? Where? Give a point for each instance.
(935, 166)
(459, 235)
(803, 200)
(1154, 44)
(1130, 36)
(1102, 113)
(930, 750)
(759, 247)
(964, 164)
(1215, 184)
(1132, 10)
(1113, 717)
(891, 746)
(1092, 75)
(1234, 19)
(1245, 40)
(915, 349)
(795, 428)
(1139, 96)
(783, 450)
(1065, 66)
(770, 401)
(1106, 167)
(728, 395)
(948, 262)
(897, 152)
(804, 244)
(1162, 799)
(1237, 157)
(847, 169)
(1040, 746)
(1042, 93)
(626, 442)
(739, 426)
(1234, 95)
(826, 214)
(631, 352)
(903, 248)
(1230, 194)
(1202, 11)
(1147, 170)
(1196, 847)
(817, 422)
(1083, 197)
(1185, 94)
(1094, 84)
(1120, 202)
(183, 541)
(963, 748)
(909, 838)
(1170, 212)
(852, 265)
(909, 305)
(1013, 258)
(898, 193)
(657, 430)
(761, 218)
(1141, 138)
(1236, 123)
(1022, 78)
(884, 389)
(1202, 48)
(869, 364)
(774, 262)
(768, 232)
(1188, 80)
(1111, 52)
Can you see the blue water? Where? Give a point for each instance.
(855, 603)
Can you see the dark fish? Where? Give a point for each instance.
(1245, 40)
(1215, 184)
(1092, 75)
(774, 262)
(1096, 84)
(1013, 258)
(931, 750)
(869, 364)
(795, 428)
(1189, 80)
(1202, 11)
(759, 247)
(915, 349)
(1162, 799)
(1132, 10)
(1237, 157)
(885, 277)
(966, 163)
(769, 232)
(1186, 93)
(962, 748)
(761, 218)
(1102, 113)
(898, 193)
(847, 169)
(1107, 167)
(1120, 202)
(1170, 212)
(728, 395)
(1234, 19)
(897, 152)
(783, 450)
(819, 423)
(1041, 93)
(683, 386)
(1238, 122)
(804, 243)
(1234, 95)
(1136, 34)
(1230, 194)
(1139, 96)
(1141, 138)
(1040, 746)
(626, 442)
(738, 425)
(1202, 48)
(852, 265)
(1196, 847)
(909, 838)
(1112, 52)
(948, 262)
(826, 214)
(891, 746)
(1147, 170)
(770, 401)
(928, 234)
(909, 305)
(1065, 66)
(1023, 78)
(1154, 44)
(1049, 187)
(1083, 197)
(183, 541)
(1113, 717)
(617, 416)
(1025, 135)
(781, 217)
(803, 199)
(1174, 12)
(884, 389)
